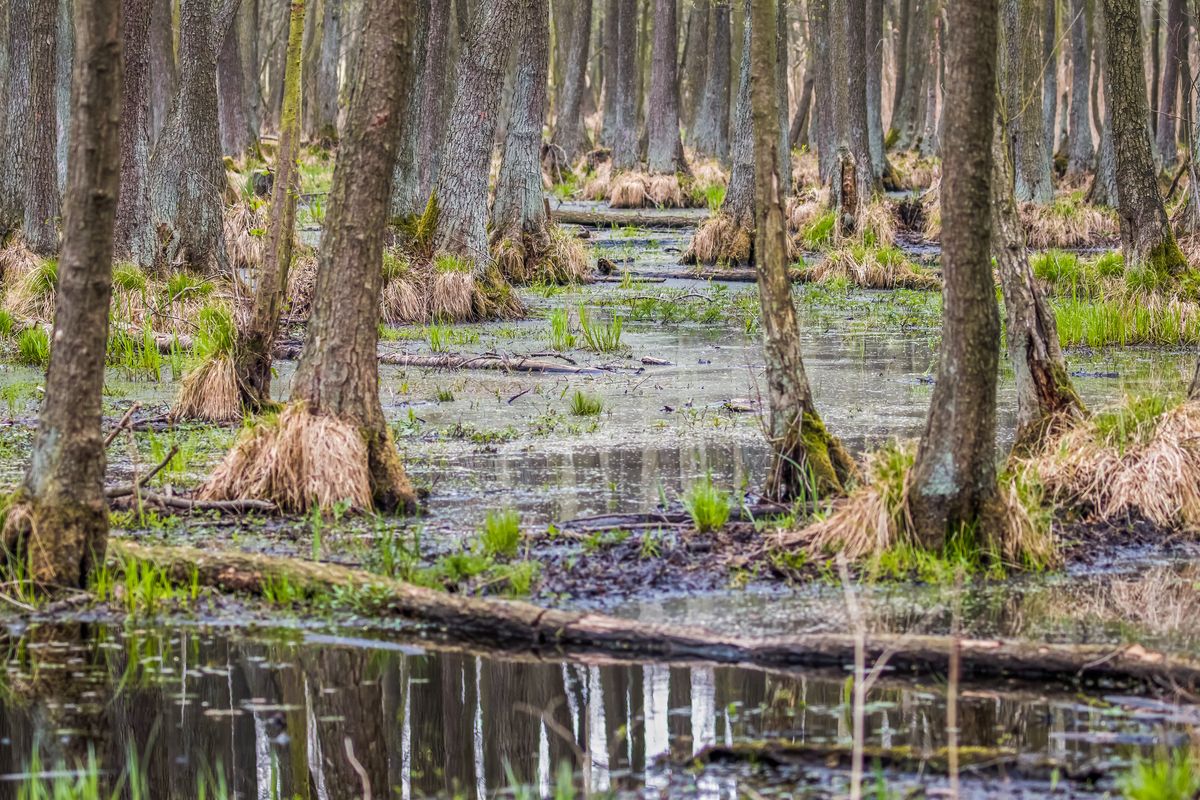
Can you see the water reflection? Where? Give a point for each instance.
(285, 717)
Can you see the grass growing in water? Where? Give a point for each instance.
(707, 505)
(33, 347)
(1173, 777)
(501, 534)
(561, 337)
(818, 233)
(598, 336)
(1097, 323)
(586, 405)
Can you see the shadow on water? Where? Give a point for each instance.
(285, 714)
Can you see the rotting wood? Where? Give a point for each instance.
(493, 361)
(623, 218)
(550, 633)
(190, 504)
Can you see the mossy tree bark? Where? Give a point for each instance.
(58, 525)
(187, 174)
(710, 133)
(805, 459)
(1022, 22)
(1146, 235)
(624, 133)
(1046, 399)
(952, 486)
(1081, 151)
(257, 339)
(1175, 52)
(15, 149)
(520, 222)
(338, 373)
(569, 133)
(664, 154)
(133, 204)
(41, 138)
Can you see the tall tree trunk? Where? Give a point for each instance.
(58, 524)
(611, 36)
(164, 68)
(1049, 71)
(798, 133)
(802, 452)
(321, 74)
(64, 58)
(695, 61)
(407, 199)
(1103, 191)
(710, 134)
(1145, 230)
(41, 184)
(739, 194)
(900, 70)
(907, 116)
(569, 133)
(1023, 82)
(625, 139)
(187, 174)
(930, 143)
(1080, 149)
(824, 117)
(133, 205)
(952, 487)
(435, 96)
(783, 150)
(249, 21)
(256, 339)
(232, 103)
(1045, 397)
(847, 28)
(17, 119)
(665, 149)
(1176, 52)
(874, 45)
(338, 373)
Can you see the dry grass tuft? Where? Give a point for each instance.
(709, 173)
(806, 171)
(664, 191)
(296, 461)
(302, 285)
(401, 302)
(454, 297)
(243, 236)
(1067, 222)
(210, 392)
(628, 190)
(17, 261)
(720, 240)
(597, 186)
(878, 223)
(871, 268)
(801, 210)
(565, 262)
(916, 172)
(31, 293)
(1138, 458)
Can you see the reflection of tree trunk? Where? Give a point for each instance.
(347, 704)
(456, 693)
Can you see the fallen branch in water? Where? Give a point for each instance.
(127, 489)
(121, 423)
(541, 632)
(191, 504)
(491, 361)
(637, 218)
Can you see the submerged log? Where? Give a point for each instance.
(638, 218)
(549, 633)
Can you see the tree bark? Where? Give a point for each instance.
(1103, 191)
(874, 49)
(58, 524)
(1176, 52)
(695, 61)
(256, 340)
(1023, 84)
(17, 119)
(569, 133)
(930, 143)
(41, 184)
(805, 460)
(710, 134)
(338, 373)
(903, 25)
(823, 113)
(624, 136)
(1081, 151)
(133, 205)
(1146, 235)
(1049, 72)
(321, 74)
(187, 174)
(1046, 398)
(952, 486)
(610, 35)
(232, 103)
(665, 149)
(408, 201)
(907, 115)
(739, 194)
(848, 73)
(64, 59)
(164, 68)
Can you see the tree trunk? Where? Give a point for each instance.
(1081, 151)
(1045, 397)
(611, 36)
(798, 132)
(907, 116)
(58, 524)
(232, 104)
(823, 113)
(710, 134)
(569, 133)
(805, 460)
(952, 487)
(930, 143)
(1145, 230)
(1176, 52)
(164, 69)
(41, 183)
(338, 373)
(1022, 96)
(133, 204)
(739, 194)
(64, 58)
(1049, 71)
(408, 201)
(624, 136)
(874, 45)
(1103, 191)
(695, 61)
(17, 120)
(903, 14)
(665, 147)
(321, 74)
(257, 339)
(783, 149)
(847, 27)
(187, 174)
(247, 26)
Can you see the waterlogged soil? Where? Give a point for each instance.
(307, 712)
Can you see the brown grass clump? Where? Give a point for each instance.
(806, 171)
(302, 285)
(709, 173)
(664, 191)
(566, 261)
(297, 461)
(1139, 458)
(1067, 222)
(210, 392)
(879, 222)
(17, 261)
(598, 184)
(916, 172)
(628, 190)
(720, 240)
(803, 209)
(453, 296)
(243, 235)
(871, 268)
(401, 301)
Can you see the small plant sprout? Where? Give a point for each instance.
(586, 405)
(561, 337)
(707, 505)
(444, 395)
(501, 535)
(600, 337)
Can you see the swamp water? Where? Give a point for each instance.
(295, 713)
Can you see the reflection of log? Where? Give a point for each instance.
(604, 218)
(544, 632)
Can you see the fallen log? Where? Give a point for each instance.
(191, 504)
(490, 361)
(604, 522)
(639, 218)
(547, 632)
